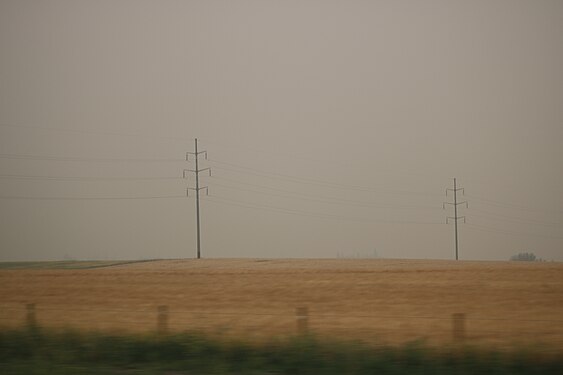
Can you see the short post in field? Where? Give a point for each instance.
(162, 321)
(458, 327)
(31, 319)
(302, 315)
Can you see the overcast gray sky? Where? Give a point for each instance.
(332, 128)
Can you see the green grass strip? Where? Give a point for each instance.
(37, 351)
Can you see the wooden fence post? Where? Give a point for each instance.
(162, 320)
(302, 315)
(458, 327)
(31, 319)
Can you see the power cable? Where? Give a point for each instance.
(83, 178)
(307, 213)
(517, 220)
(493, 202)
(506, 232)
(306, 197)
(90, 198)
(88, 132)
(307, 159)
(83, 159)
(303, 180)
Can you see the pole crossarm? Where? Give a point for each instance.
(455, 219)
(456, 190)
(195, 171)
(455, 204)
(205, 169)
(196, 154)
(206, 188)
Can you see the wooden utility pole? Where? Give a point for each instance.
(197, 188)
(455, 218)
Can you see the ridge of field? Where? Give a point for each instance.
(67, 264)
(377, 300)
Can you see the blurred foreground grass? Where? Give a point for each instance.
(38, 351)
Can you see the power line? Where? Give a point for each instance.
(16, 197)
(310, 198)
(517, 220)
(286, 155)
(309, 181)
(500, 204)
(83, 178)
(259, 151)
(222, 200)
(88, 132)
(333, 200)
(510, 233)
(83, 159)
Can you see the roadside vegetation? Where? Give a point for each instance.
(37, 351)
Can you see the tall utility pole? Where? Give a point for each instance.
(455, 218)
(197, 188)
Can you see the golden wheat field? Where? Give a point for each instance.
(389, 301)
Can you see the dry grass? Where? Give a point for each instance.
(394, 301)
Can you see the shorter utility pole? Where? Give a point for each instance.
(455, 218)
(197, 188)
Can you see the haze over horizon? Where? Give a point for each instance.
(333, 128)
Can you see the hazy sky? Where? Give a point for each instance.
(332, 128)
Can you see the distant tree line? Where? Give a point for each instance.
(526, 257)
